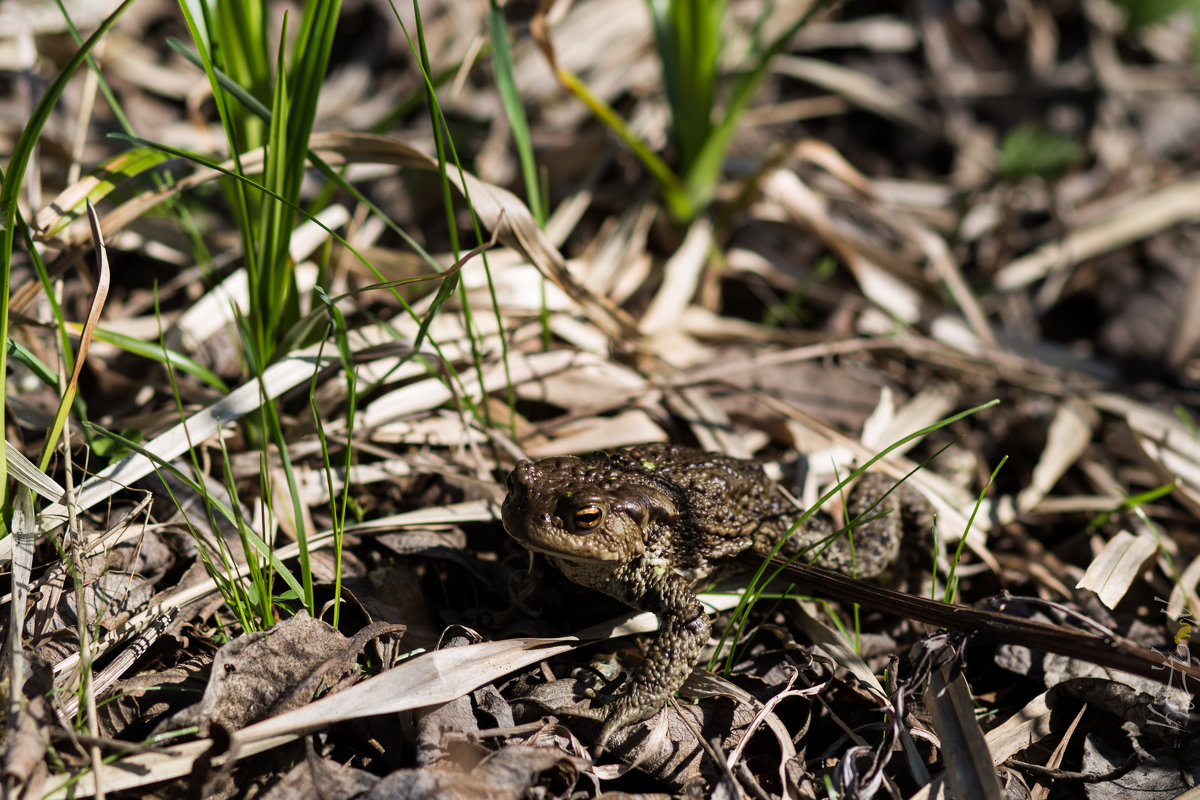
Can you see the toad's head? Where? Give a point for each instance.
(583, 509)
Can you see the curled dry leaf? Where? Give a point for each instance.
(1118, 566)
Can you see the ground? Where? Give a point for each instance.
(972, 221)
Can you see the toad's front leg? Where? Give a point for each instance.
(684, 630)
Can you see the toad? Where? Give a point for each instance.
(645, 524)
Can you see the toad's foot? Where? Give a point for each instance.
(683, 631)
(613, 720)
(667, 665)
(617, 715)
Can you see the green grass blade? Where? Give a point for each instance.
(293, 112)
(672, 185)
(254, 105)
(153, 352)
(251, 183)
(102, 181)
(274, 280)
(701, 179)
(256, 541)
(22, 355)
(201, 25)
(688, 36)
(506, 84)
(11, 188)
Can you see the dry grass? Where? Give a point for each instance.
(882, 254)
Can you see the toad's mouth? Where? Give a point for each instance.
(573, 556)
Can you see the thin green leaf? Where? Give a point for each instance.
(255, 540)
(701, 179)
(39, 368)
(153, 352)
(10, 190)
(506, 83)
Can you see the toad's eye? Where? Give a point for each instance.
(587, 517)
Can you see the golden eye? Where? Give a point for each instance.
(588, 517)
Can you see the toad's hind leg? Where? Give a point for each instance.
(882, 515)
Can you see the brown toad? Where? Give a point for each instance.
(644, 524)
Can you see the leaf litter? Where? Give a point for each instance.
(884, 267)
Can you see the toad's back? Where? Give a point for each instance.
(725, 504)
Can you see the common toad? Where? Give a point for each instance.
(644, 524)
